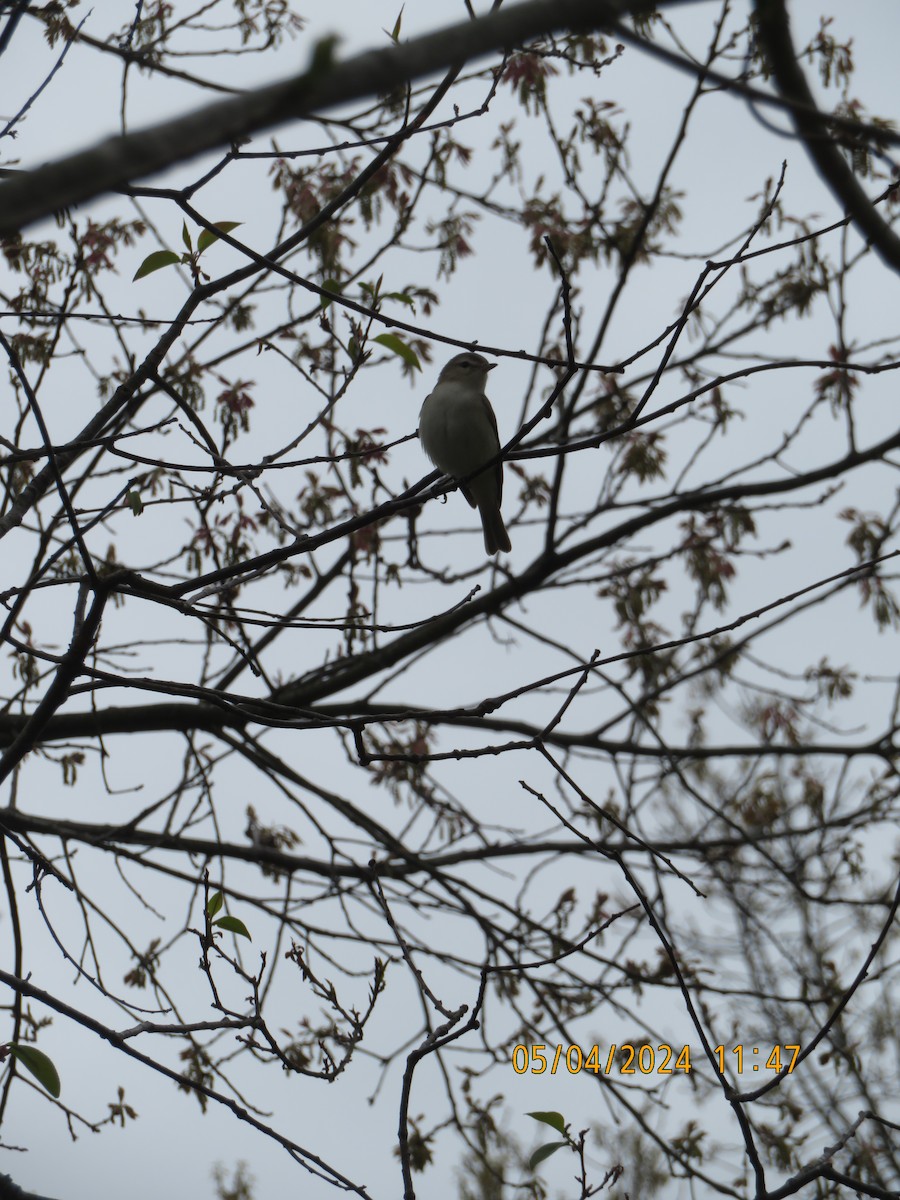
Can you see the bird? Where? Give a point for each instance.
(458, 432)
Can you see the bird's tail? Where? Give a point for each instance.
(495, 536)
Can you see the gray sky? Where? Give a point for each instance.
(500, 299)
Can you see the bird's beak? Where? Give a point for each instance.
(490, 366)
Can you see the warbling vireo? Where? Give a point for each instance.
(458, 432)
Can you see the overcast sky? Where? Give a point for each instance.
(497, 298)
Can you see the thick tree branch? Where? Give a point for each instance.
(814, 129)
(119, 160)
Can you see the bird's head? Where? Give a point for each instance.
(469, 368)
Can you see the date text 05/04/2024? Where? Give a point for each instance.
(644, 1059)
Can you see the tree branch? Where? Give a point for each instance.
(118, 160)
(813, 128)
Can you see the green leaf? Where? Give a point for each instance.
(214, 903)
(186, 237)
(557, 1120)
(330, 285)
(207, 237)
(39, 1065)
(543, 1152)
(135, 503)
(154, 262)
(399, 347)
(394, 35)
(402, 297)
(233, 925)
